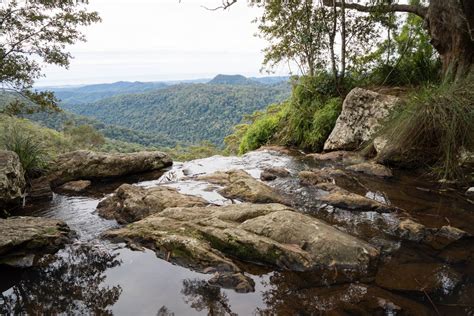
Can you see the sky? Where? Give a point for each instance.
(159, 40)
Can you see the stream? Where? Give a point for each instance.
(94, 276)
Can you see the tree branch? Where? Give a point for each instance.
(415, 9)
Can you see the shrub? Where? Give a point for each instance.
(32, 154)
(434, 128)
(262, 130)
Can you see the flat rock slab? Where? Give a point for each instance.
(269, 234)
(89, 165)
(131, 203)
(22, 239)
(240, 185)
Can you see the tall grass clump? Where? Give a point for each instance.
(434, 128)
(33, 156)
(263, 128)
(311, 116)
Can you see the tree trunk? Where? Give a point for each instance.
(451, 27)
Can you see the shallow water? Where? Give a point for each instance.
(93, 276)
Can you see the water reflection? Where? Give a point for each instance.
(200, 295)
(71, 283)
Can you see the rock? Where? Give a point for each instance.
(470, 192)
(437, 238)
(237, 281)
(88, 165)
(270, 174)
(408, 229)
(324, 175)
(131, 203)
(372, 169)
(239, 185)
(419, 277)
(362, 113)
(380, 143)
(269, 234)
(24, 239)
(12, 180)
(75, 186)
(443, 237)
(342, 198)
(39, 189)
(335, 156)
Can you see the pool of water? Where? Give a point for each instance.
(93, 276)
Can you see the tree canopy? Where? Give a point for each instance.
(35, 33)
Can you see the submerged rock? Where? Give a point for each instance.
(24, 239)
(269, 234)
(75, 186)
(131, 203)
(12, 180)
(362, 113)
(240, 185)
(372, 169)
(419, 277)
(88, 165)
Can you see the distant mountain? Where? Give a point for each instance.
(92, 93)
(232, 80)
(185, 113)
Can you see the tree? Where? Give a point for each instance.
(34, 33)
(450, 24)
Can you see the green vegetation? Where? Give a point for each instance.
(304, 121)
(183, 113)
(33, 34)
(434, 128)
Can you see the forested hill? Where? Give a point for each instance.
(92, 93)
(186, 113)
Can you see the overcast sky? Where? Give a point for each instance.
(154, 40)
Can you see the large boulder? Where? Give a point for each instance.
(89, 165)
(362, 113)
(240, 185)
(131, 203)
(269, 234)
(12, 180)
(24, 239)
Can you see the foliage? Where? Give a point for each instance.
(304, 121)
(32, 154)
(434, 128)
(183, 113)
(409, 59)
(34, 33)
(85, 136)
(261, 131)
(186, 153)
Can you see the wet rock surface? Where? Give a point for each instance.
(39, 189)
(270, 234)
(372, 169)
(362, 113)
(131, 203)
(240, 185)
(201, 246)
(23, 239)
(269, 174)
(88, 165)
(12, 181)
